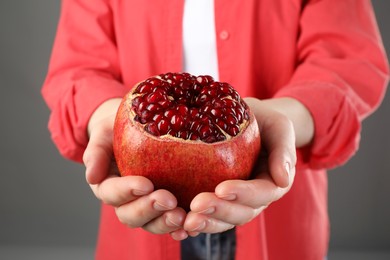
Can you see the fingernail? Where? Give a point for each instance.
(208, 211)
(87, 172)
(160, 207)
(139, 192)
(287, 167)
(230, 196)
(171, 223)
(200, 227)
(86, 163)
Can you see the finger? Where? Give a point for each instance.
(98, 155)
(278, 137)
(196, 223)
(279, 141)
(117, 191)
(179, 234)
(169, 222)
(227, 211)
(146, 208)
(254, 193)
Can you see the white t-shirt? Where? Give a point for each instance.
(199, 41)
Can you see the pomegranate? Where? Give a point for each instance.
(186, 134)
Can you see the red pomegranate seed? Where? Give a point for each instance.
(231, 120)
(182, 109)
(212, 92)
(137, 118)
(210, 139)
(246, 115)
(235, 95)
(215, 85)
(172, 132)
(157, 117)
(152, 129)
(225, 88)
(156, 97)
(146, 115)
(142, 106)
(181, 100)
(136, 102)
(154, 107)
(202, 99)
(154, 81)
(165, 103)
(169, 113)
(193, 136)
(206, 109)
(221, 124)
(177, 122)
(204, 79)
(182, 134)
(163, 126)
(144, 87)
(221, 137)
(205, 131)
(194, 112)
(217, 113)
(195, 125)
(233, 130)
(168, 77)
(178, 92)
(229, 103)
(178, 77)
(218, 104)
(141, 120)
(196, 88)
(185, 85)
(239, 117)
(204, 91)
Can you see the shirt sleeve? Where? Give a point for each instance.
(341, 76)
(83, 72)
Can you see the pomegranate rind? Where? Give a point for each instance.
(183, 167)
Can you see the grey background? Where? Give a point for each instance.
(47, 209)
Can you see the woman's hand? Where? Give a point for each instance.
(136, 202)
(236, 202)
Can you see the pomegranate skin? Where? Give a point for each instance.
(183, 167)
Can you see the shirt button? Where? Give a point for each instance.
(224, 35)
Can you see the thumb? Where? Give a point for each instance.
(98, 156)
(279, 141)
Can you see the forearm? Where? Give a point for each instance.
(298, 114)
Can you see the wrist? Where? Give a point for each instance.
(108, 108)
(295, 111)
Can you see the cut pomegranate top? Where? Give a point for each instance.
(189, 107)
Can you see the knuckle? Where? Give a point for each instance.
(125, 220)
(159, 226)
(101, 195)
(156, 229)
(250, 188)
(277, 194)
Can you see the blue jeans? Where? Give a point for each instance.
(220, 246)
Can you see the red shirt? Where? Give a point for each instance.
(326, 53)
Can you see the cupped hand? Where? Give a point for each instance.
(236, 202)
(136, 202)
